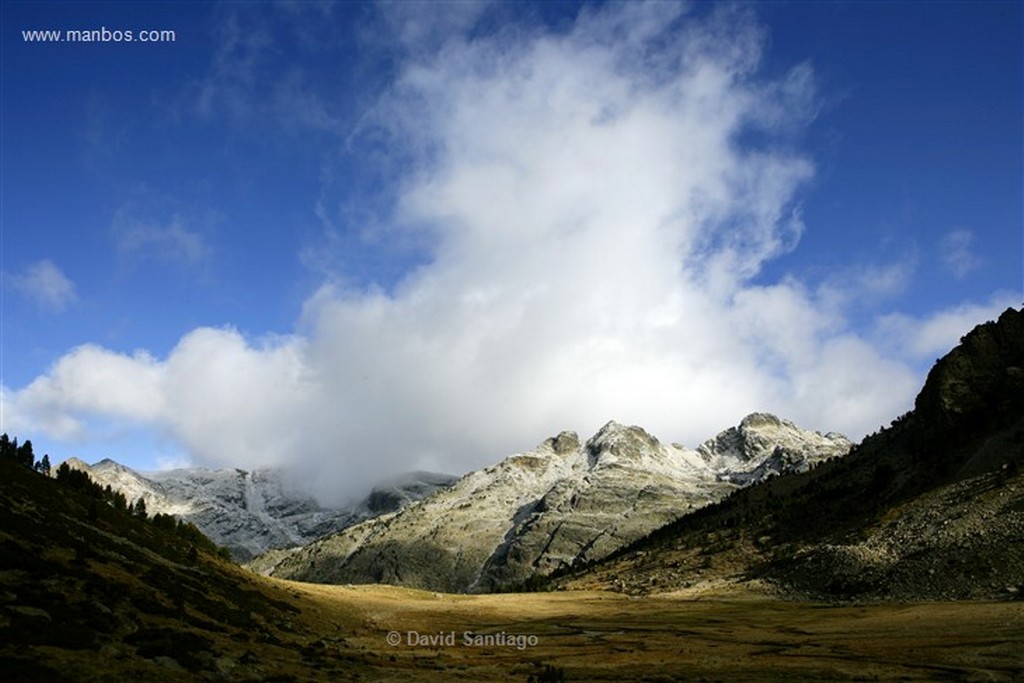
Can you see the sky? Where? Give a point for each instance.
(359, 239)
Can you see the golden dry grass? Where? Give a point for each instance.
(732, 635)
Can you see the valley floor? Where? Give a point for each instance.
(725, 634)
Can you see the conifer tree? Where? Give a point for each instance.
(25, 455)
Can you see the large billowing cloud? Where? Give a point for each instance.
(598, 218)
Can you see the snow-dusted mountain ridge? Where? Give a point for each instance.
(252, 512)
(561, 503)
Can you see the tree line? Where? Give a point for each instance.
(106, 496)
(23, 454)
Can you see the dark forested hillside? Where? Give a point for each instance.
(92, 588)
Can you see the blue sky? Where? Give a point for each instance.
(370, 237)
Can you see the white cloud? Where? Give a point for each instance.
(957, 253)
(928, 337)
(227, 400)
(867, 284)
(45, 285)
(596, 235)
(91, 381)
(142, 238)
(236, 403)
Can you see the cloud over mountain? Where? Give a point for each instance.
(595, 206)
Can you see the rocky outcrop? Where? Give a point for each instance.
(739, 453)
(980, 380)
(563, 503)
(394, 494)
(961, 541)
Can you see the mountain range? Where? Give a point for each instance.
(252, 512)
(927, 508)
(563, 503)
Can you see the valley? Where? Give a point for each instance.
(721, 632)
(724, 633)
(903, 559)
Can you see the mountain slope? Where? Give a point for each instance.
(930, 508)
(252, 512)
(559, 504)
(92, 592)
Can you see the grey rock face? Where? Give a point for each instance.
(562, 503)
(252, 512)
(764, 445)
(566, 442)
(394, 494)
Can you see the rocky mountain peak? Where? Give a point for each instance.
(764, 445)
(737, 442)
(621, 443)
(971, 382)
(76, 464)
(120, 478)
(761, 420)
(565, 443)
(755, 433)
(104, 465)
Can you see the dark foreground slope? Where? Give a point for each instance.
(930, 508)
(90, 591)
